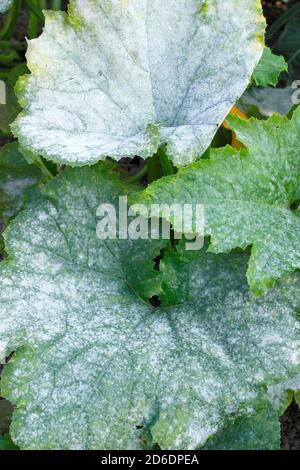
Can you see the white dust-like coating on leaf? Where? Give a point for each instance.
(118, 80)
(97, 362)
(247, 196)
(278, 393)
(270, 100)
(5, 5)
(16, 176)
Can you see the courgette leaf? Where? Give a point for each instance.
(119, 78)
(96, 366)
(247, 196)
(258, 432)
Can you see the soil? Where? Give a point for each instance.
(290, 421)
(290, 428)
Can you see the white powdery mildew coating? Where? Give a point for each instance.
(247, 196)
(278, 392)
(16, 176)
(97, 362)
(5, 5)
(102, 74)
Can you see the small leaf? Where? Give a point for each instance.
(247, 196)
(269, 68)
(119, 79)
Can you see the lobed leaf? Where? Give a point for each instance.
(120, 78)
(259, 432)
(269, 68)
(96, 366)
(247, 196)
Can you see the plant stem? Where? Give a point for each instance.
(56, 5)
(33, 26)
(35, 9)
(294, 56)
(11, 20)
(9, 58)
(154, 171)
(3, 75)
(139, 174)
(41, 165)
(282, 21)
(5, 45)
(166, 164)
(43, 4)
(19, 46)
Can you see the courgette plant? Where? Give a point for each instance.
(131, 344)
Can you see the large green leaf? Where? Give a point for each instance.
(120, 77)
(247, 196)
(95, 362)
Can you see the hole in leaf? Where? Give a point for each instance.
(157, 260)
(295, 205)
(154, 301)
(133, 168)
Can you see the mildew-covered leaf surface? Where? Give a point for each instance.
(119, 78)
(5, 5)
(15, 177)
(96, 366)
(259, 432)
(247, 196)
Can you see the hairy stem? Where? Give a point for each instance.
(166, 164)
